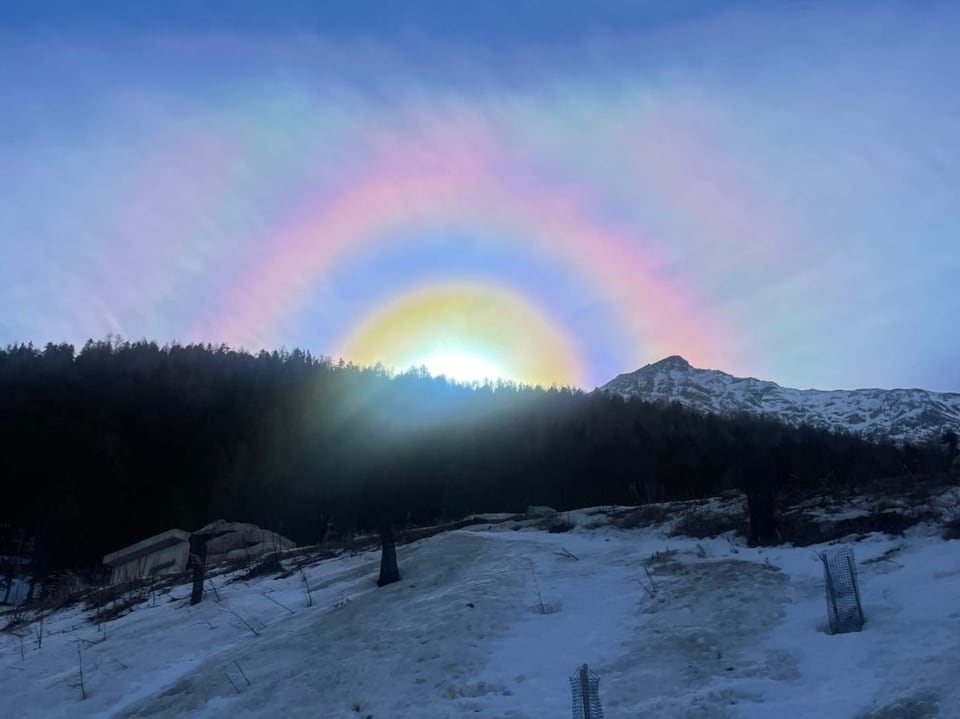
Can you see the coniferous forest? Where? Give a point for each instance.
(117, 441)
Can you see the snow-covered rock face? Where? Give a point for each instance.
(904, 415)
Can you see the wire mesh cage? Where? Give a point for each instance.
(844, 609)
(585, 686)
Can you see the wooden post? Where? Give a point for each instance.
(198, 562)
(389, 572)
(585, 690)
(762, 506)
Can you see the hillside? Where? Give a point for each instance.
(490, 622)
(913, 415)
(184, 435)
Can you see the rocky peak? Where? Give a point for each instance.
(673, 362)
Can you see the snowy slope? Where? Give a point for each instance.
(902, 414)
(731, 632)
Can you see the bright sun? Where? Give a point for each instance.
(467, 332)
(462, 367)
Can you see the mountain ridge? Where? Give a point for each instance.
(905, 415)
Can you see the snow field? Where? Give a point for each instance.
(729, 632)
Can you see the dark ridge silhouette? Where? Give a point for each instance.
(119, 441)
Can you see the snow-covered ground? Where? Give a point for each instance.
(490, 622)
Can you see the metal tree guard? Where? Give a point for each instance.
(844, 609)
(585, 686)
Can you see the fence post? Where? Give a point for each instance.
(198, 563)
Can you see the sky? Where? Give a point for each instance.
(548, 191)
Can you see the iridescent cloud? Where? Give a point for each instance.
(769, 190)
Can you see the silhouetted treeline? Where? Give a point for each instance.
(108, 445)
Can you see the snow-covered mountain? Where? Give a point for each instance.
(913, 415)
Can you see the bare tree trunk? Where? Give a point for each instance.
(389, 572)
(198, 562)
(762, 505)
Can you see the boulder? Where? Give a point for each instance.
(241, 540)
(540, 511)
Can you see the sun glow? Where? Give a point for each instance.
(462, 367)
(467, 332)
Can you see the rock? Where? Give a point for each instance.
(540, 511)
(241, 540)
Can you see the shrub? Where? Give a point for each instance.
(704, 525)
(802, 530)
(951, 528)
(644, 517)
(559, 525)
(270, 564)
